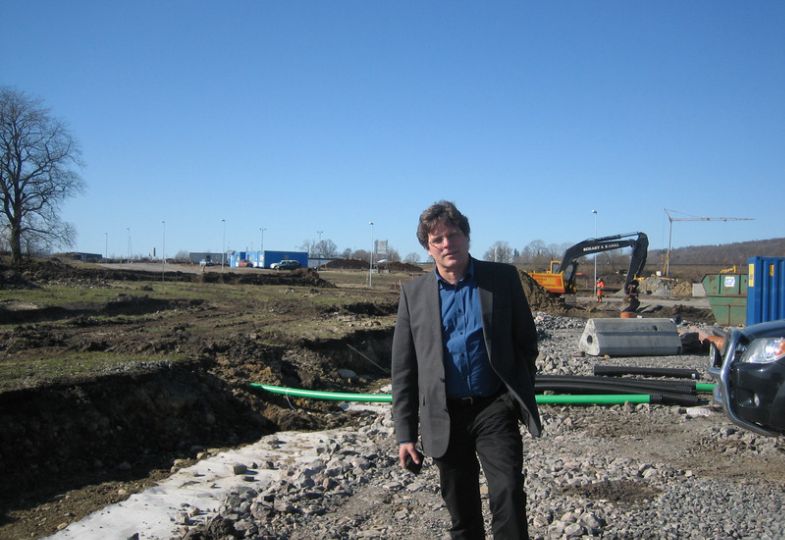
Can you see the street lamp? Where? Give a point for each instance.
(261, 246)
(163, 252)
(129, 243)
(370, 268)
(223, 245)
(595, 255)
(319, 246)
(106, 246)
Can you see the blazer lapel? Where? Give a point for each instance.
(486, 303)
(433, 307)
(428, 301)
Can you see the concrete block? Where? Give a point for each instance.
(630, 337)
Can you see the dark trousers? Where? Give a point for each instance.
(488, 431)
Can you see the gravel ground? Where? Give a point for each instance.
(625, 471)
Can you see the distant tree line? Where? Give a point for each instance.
(326, 249)
(722, 254)
(537, 255)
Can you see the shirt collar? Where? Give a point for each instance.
(468, 277)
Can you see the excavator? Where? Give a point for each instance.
(560, 278)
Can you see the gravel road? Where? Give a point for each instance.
(624, 471)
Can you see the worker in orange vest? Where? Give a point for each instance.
(600, 289)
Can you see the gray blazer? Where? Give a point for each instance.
(419, 393)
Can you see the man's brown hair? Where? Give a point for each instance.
(440, 212)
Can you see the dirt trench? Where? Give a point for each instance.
(69, 449)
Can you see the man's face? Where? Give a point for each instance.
(449, 248)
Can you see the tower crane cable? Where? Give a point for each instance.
(688, 217)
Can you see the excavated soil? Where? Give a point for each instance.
(71, 445)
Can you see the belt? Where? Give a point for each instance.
(472, 401)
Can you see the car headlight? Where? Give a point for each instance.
(764, 351)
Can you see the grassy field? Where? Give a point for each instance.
(59, 332)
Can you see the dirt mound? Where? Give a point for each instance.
(666, 287)
(301, 276)
(11, 279)
(358, 264)
(681, 289)
(402, 267)
(682, 313)
(346, 264)
(539, 299)
(55, 271)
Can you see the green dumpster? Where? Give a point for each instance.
(727, 294)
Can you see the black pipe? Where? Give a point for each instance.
(639, 384)
(676, 373)
(666, 398)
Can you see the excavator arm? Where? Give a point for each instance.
(638, 241)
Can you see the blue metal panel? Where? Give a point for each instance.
(765, 289)
(271, 257)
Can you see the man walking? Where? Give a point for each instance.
(463, 368)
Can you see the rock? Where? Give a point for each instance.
(347, 374)
(597, 471)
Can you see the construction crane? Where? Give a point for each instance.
(687, 217)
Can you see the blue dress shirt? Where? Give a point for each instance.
(466, 363)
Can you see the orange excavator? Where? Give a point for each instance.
(560, 278)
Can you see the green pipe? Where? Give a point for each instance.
(543, 399)
(706, 388)
(319, 394)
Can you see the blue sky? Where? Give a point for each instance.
(304, 116)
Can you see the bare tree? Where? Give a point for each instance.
(534, 253)
(361, 254)
(323, 248)
(38, 161)
(309, 246)
(412, 258)
(326, 248)
(499, 252)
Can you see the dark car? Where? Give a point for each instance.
(750, 374)
(286, 264)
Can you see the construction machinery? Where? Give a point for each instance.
(560, 278)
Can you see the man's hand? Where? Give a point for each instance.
(408, 449)
(409, 457)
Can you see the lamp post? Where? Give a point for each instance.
(595, 255)
(106, 246)
(223, 245)
(128, 229)
(370, 267)
(261, 246)
(163, 252)
(319, 247)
